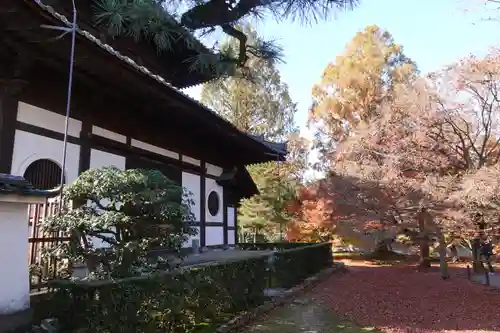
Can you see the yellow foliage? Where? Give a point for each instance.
(358, 81)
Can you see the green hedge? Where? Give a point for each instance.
(271, 246)
(294, 265)
(184, 300)
(179, 302)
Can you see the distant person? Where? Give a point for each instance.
(486, 252)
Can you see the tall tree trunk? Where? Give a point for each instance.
(424, 242)
(476, 260)
(443, 265)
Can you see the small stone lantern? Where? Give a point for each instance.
(16, 194)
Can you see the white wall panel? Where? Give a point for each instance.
(191, 183)
(33, 115)
(109, 134)
(214, 236)
(29, 147)
(213, 170)
(99, 159)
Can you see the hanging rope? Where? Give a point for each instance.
(66, 30)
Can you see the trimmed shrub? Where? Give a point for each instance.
(293, 266)
(178, 301)
(271, 246)
(183, 300)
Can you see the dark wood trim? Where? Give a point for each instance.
(211, 177)
(101, 143)
(225, 202)
(8, 119)
(119, 148)
(236, 224)
(207, 224)
(214, 224)
(105, 144)
(45, 132)
(203, 215)
(85, 147)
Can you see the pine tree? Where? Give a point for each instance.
(262, 106)
(163, 22)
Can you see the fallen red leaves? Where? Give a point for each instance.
(399, 299)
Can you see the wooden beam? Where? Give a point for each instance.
(12, 83)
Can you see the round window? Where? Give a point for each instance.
(213, 203)
(43, 174)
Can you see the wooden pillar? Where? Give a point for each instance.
(85, 147)
(8, 117)
(12, 69)
(236, 241)
(203, 203)
(225, 201)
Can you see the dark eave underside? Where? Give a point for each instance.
(174, 66)
(130, 78)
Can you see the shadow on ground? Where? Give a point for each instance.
(305, 314)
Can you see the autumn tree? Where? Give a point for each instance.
(469, 105)
(415, 140)
(352, 93)
(353, 87)
(469, 108)
(163, 23)
(430, 154)
(413, 174)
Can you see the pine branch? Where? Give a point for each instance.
(151, 20)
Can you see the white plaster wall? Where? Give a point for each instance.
(213, 170)
(154, 149)
(30, 147)
(188, 243)
(190, 160)
(14, 279)
(109, 134)
(99, 159)
(34, 115)
(210, 186)
(191, 183)
(214, 236)
(231, 237)
(231, 217)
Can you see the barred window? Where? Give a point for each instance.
(43, 174)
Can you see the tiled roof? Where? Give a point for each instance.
(142, 69)
(10, 184)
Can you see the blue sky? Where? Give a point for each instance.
(433, 33)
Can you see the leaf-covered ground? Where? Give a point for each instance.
(400, 299)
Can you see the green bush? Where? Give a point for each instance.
(183, 300)
(178, 301)
(271, 246)
(293, 266)
(130, 212)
